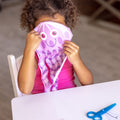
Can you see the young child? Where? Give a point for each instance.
(59, 11)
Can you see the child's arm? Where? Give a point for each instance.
(28, 67)
(72, 51)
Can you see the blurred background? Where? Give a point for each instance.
(97, 33)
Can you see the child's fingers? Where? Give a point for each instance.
(71, 44)
(69, 49)
(33, 31)
(36, 34)
(67, 53)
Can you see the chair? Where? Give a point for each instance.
(14, 65)
(106, 5)
(0, 5)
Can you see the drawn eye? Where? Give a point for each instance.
(54, 33)
(43, 35)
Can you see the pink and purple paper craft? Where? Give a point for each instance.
(50, 52)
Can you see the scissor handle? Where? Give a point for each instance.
(94, 115)
(90, 114)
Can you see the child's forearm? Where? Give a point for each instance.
(72, 51)
(27, 72)
(84, 75)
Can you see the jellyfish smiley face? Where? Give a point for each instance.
(50, 51)
(53, 35)
(50, 37)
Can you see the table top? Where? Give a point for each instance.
(67, 104)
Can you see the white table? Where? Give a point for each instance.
(68, 104)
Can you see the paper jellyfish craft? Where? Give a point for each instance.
(50, 52)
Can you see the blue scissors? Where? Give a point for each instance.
(98, 115)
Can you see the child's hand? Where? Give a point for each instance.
(32, 41)
(72, 51)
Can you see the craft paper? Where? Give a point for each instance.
(50, 51)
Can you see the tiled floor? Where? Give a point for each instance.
(99, 49)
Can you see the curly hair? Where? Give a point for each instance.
(34, 9)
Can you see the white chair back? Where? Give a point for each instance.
(14, 65)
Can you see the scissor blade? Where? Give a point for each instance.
(105, 110)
